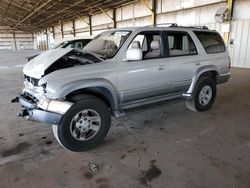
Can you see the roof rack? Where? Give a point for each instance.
(196, 27)
(175, 25)
(168, 24)
(165, 24)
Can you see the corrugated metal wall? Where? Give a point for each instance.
(17, 40)
(239, 46)
(182, 12)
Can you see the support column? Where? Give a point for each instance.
(62, 30)
(74, 29)
(47, 39)
(14, 37)
(53, 32)
(114, 18)
(230, 6)
(90, 25)
(152, 10)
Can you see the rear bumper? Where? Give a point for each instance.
(222, 78)
(32, 112)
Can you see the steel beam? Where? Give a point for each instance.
(152, 10)
(83, 20)
(32, 13)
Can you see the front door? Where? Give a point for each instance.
(147, 77)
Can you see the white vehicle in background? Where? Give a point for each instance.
(76, 44)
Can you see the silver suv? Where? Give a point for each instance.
(118, 72)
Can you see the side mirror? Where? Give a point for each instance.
(134, 54)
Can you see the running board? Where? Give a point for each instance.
(148, 106)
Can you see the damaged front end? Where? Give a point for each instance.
(36, 105)
(39, 108)
(32, 112)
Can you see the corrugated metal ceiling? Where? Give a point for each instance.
(34, 15)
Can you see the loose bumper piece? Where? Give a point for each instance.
(32, 112)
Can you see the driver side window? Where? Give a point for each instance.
(142, 40)
(149, 43)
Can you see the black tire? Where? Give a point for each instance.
(194, 103)
(64, 129)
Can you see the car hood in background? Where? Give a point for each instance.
(37, 66)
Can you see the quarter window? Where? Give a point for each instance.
(211, 41)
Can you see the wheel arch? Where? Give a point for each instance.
(210, 71)
(98, 91)
(100, 88)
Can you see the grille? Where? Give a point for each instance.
(34, 81)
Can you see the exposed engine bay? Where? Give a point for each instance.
(72, 59)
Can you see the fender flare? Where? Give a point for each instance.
(88, 83)
(196, 77)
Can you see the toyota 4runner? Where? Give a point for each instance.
(121, 71)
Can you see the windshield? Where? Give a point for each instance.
(107, 44)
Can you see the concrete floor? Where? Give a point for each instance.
(165, 147)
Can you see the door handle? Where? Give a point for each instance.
(162, 67)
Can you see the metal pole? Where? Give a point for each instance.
(74, 28)
(230, 6)
(114, 18)
(62, 30)
(90, 25)
(14, 37)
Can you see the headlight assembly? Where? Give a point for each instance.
(56, 106)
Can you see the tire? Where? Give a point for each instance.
(204, 95)
(84, 125)
(55, 133)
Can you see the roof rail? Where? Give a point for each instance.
(175, 25)
(197, 27)
(166, 24)
(200, 27)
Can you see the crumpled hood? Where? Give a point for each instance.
(37, 66)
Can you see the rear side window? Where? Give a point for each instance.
(180, 43)
(211, 41)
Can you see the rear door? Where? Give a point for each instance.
(182, 58)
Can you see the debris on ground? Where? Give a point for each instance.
(93, 167)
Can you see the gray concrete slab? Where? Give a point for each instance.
(165, 147)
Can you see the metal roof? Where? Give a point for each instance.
(34, 15)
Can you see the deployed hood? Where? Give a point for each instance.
(57, 59)
(37, 66)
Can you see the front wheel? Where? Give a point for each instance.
(204, 95)
(84, 125)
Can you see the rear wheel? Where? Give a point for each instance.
(84, 125)
(204, 95)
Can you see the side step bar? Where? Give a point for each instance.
(148, 107)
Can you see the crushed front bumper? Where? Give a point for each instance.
(32, 112)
